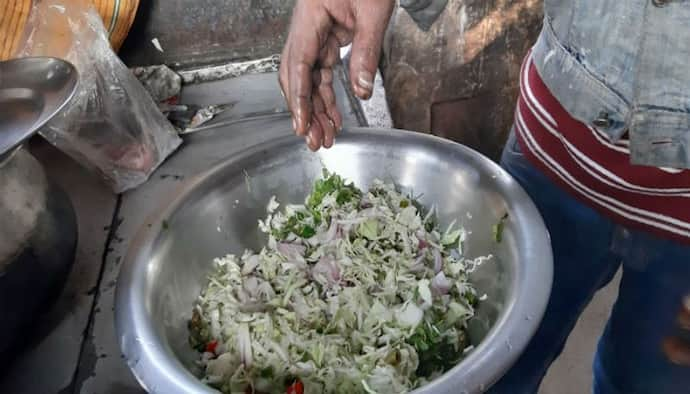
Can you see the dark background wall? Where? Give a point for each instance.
(199, 32)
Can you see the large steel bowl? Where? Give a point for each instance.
(217, 212)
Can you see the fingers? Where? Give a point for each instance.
(342, 35)
(325, 111)
(327, 95)
(327, 125)
(330, 53)
(322, 130)
(317, 31)
(322, 103)
(308, 34)
(370, 26)
(314, 136)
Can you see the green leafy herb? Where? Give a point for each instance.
(498, 228)
(307, 232)
(332, 183)
(434, 350)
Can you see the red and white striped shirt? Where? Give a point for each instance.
(595, 170)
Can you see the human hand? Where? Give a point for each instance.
(317, 31)
(677, 349)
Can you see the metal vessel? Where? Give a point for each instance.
(38, 231)
(216, 213)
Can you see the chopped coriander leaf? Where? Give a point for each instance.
(307, 232)
(499, 227)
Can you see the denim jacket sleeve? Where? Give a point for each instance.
(623, 66)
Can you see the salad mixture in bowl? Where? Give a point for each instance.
(354, 292)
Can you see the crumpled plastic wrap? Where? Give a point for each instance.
(111, 126)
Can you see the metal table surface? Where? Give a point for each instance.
(74, 347)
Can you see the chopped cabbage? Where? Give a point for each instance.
(353, 293)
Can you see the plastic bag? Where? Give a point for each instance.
(112, 125)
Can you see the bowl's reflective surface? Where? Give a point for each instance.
(217, 213)
(32, 91)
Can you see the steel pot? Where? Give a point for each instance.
(38, 230)
(216, 213)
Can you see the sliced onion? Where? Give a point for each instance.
(409, 315)
(326, 272)
(294, 265)
(421, 237)
(251, 286)
(367, 213)
(244, 345)
(438, 260)
(242, 295)
(221, 367)
(351, 222)
(418, 265)
(423, 244)
(331, 234)
(291, 251)
(266, 290)
(250, 264)
(365, 203)
(440, 285)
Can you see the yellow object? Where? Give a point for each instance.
(117, 15)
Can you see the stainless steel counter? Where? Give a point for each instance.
(74, 348)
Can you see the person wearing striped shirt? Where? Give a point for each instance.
(601, 142)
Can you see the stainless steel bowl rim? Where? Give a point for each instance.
(158, 370)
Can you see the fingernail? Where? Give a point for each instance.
(365, 80)
(294, 124)
(308, 139)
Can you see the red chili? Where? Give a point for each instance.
(172, 100)
(211, 346)
(295, 388)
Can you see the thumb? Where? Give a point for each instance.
(370, 26)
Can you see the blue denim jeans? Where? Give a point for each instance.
(588, 249)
